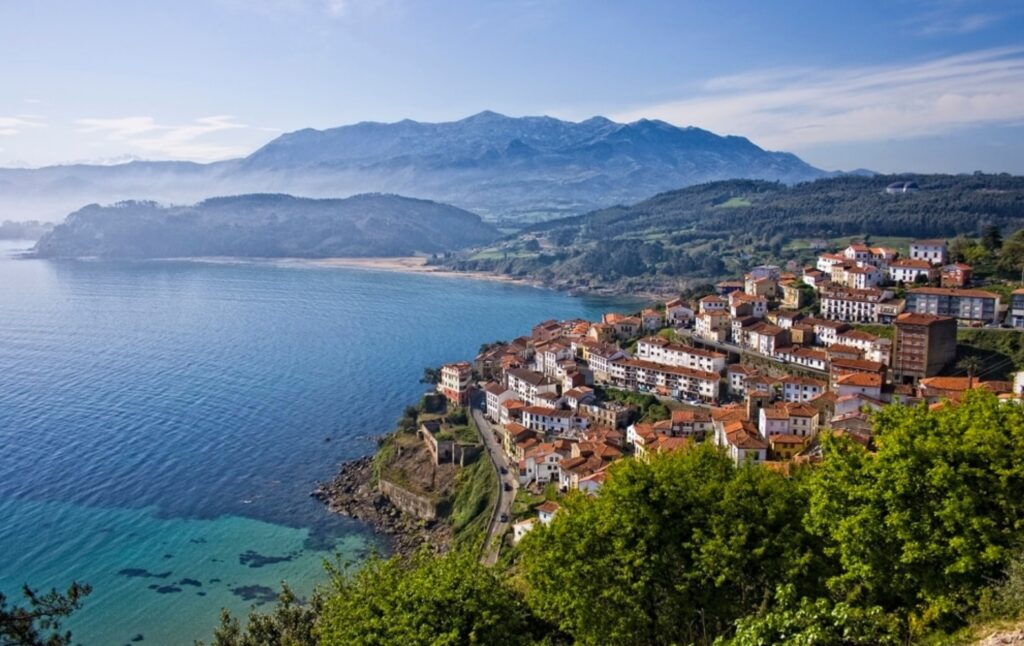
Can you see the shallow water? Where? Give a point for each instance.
(162, 423)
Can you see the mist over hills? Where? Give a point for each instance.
(266, 225)
(510, 170)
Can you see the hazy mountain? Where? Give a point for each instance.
(264, 225)
(512, 169)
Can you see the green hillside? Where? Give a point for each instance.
(714, 230)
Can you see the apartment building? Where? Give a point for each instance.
(923, 345)
(968, 306)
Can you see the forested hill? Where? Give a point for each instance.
(717, 229)
(267, 226)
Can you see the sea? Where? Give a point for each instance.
(162, 423)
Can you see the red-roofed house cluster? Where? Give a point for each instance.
(747, 368)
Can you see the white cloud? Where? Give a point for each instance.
(188, 141)
(10, 126)
(790, 108)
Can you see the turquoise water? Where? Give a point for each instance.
(162, 423)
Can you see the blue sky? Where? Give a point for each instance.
(899, 85)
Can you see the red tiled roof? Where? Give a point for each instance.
(548, 507)
(860, 379)
(913, 318)
(953, 291)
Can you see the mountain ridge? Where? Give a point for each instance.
(511, 170)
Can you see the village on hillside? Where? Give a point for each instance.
(760, 368)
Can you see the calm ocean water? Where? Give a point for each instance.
(162, 423)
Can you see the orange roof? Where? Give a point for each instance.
(515, 428)
(913, 318)
(960, 384)
(953, 291)
(841, 348)
(687, 416)
(800, 410)
(665, 444)
(786, 438)
(858, 364)
(861, 379)
(775, 413)
(911, 264)
(548, 507)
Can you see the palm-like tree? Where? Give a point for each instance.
(971, 365)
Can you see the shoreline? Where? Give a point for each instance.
(351, 493)
(414, 265)
(397, 264)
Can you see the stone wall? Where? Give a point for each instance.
(408, 502)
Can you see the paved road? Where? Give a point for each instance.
(496, 528)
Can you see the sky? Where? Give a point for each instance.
(903, 85)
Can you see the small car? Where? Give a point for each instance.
(504, 518)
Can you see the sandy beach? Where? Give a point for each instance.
(404, 264)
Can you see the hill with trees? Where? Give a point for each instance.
(710, 231)
(266, 226)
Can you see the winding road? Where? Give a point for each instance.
(496, 528)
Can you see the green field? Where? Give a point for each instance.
(733, 203)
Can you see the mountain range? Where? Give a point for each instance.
(266, 225)
(509, 170)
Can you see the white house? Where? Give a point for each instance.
(801, 356)
(859, 383)
(788, 419)
(552, 420)
(712, 303)
(546, 511)
(801, 389)
(522, 528)
(652, 320)
(540, 465)
(665, 352)
(934, 251)
(495, 395)
(713, 326)
(908, 270)
(528, 385)
(741, 441)
(863, 276)
(679, 313)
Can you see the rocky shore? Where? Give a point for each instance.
(352, 494)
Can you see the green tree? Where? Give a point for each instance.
(1011, 257)
(39, 622)
(991, 238)
(290, 624)
(671, 552)
(817, 622)
(976, 254)
(435, 600)
(957, 248)
(924, 524)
